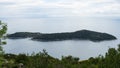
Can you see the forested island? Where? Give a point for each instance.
(78, 35)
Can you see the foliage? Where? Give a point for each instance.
(3, 29)
(44, 60)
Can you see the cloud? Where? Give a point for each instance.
(58, 8)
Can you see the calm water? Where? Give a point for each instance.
(77, 48)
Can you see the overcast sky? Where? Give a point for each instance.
(58, 8)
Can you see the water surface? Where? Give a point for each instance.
(78, 48)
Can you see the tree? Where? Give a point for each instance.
(3, 30)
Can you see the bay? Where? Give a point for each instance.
(83, 49)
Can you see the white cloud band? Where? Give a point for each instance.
(38, 8)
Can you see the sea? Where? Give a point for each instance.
(83, 49)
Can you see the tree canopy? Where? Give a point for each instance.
(3, 30)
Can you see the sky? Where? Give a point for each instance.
(58, 8)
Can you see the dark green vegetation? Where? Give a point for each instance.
(19, 35)
(3, 30)
(78, 35)
(44, 60)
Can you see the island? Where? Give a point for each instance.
(77, 35)
(19, 35)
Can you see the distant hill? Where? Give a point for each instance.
(78, 35)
